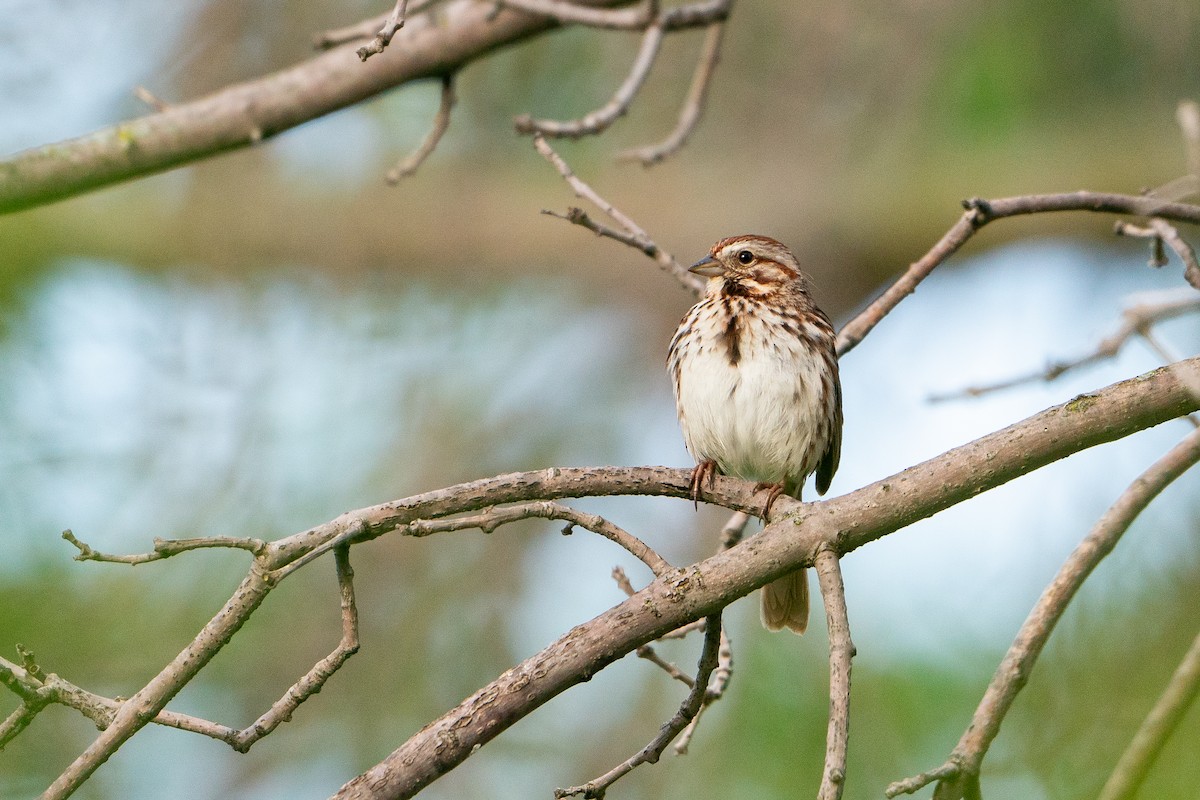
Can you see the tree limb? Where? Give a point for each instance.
(845, 523)
(960, 775)
(245, 113)
(979, 213)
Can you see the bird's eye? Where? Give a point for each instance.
(745, 256)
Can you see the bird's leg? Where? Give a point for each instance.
(705, 469)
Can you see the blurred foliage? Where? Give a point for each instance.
(495, 339)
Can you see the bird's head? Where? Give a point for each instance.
(751, 265)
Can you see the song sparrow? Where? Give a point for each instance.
(756, 387)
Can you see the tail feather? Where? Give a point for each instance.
(785, 603)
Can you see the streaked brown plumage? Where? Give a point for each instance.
(756, 386)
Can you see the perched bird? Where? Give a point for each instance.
(756, 386)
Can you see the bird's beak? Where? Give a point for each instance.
(709, 267)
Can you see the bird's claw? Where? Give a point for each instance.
(705, 469)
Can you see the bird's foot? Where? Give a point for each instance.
(776, 490)
(706, 469)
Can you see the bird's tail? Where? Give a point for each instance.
(785, 603)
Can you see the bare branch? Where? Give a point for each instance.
(364, 29)
(38, 689)
(392, 23)
(165, 548)
(961, 770)
(1156, 729)
(693, 106)
(716, 689)
(493, 518)
(629, 19)
(664, 259)
(841, 651)
(145, 704)
(241, 115)
(788, 543)
(686, 713)
(440, 123)
(1137, 319)
(647, 651)
(577, 216)
(311, 683)
(979, 213)
(688, 15)
(599, 120)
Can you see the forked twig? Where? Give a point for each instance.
(1136, 320)
(625, 19)
(693, 106)
(664, 259)
(672, 728)
(959, 776)
(38, 690)
(599, 120)
(391, 23)
(493, 518)
(164, 548)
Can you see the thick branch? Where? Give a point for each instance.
(243, 114)
(845, 522)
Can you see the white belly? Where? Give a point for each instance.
(758, 419)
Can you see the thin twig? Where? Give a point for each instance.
(647, 651)
(40, 690)
(841, 651)
(577, 216)
(960, 774)
(165, 548)
(664, 259)
(599, 120)
(441, 122)
(364, 29)
(1136, 319)
(629, 19)
(312, 682)
(1156, 729)
(686, 713)
(693, 106)
(688, 15)
(493, 518)
(383, 37)
(716, 689)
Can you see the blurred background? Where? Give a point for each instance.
(255, 344)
